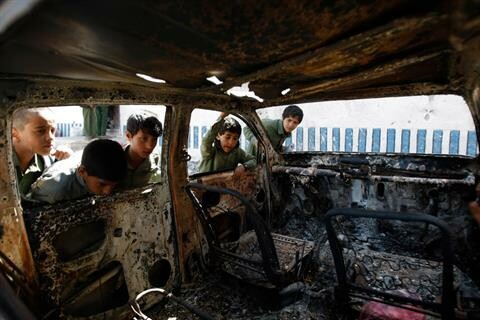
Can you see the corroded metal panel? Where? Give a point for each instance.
(138, 233)
(13, 238)
(312, 47)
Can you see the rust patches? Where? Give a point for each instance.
(397, 71)
(356, 52)
(188, 233)
(143, 242)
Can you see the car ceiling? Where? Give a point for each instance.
(318, 49)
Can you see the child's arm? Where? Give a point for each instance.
(249, 134)
(252, 145)
(207, 149)
(247, 160)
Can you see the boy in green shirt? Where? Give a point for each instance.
(102, 166)
(33, 135)
(278, 130)
(221, 150)
(143, 164)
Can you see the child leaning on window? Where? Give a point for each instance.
(221, 150)
(143, 162)
(102, 166)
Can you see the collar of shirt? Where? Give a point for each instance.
(280, 129)
(146, 164)
(35, 165)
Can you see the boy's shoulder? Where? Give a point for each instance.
(58, 182)
(272, 123)
(57, 172)
(60, 170)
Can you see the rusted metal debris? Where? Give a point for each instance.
(65, 53)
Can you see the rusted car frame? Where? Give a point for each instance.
(64, 53)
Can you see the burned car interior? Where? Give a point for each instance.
(364, 211)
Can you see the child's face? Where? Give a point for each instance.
(290, 123)
(228, 140)
(142, 143)
(37, 135)
(96, 185)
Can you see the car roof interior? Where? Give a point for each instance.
(320, 50)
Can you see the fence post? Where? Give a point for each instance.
(362, 140)
(454, 142)
(195, 137)
(405, 141)
(323, 139)
(390, 140)
(472, 143)
(299, 146)
(376, 140)
(348, 139)
(311, 139)
(437, 141)
(336, 139)
(421, 140)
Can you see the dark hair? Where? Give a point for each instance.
(230, 125)
(105, 159)
(293, 111)
(150, 125)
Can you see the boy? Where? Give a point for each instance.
(102, 166)
(277, 130)
(221, 150)
(33, 134)
(143, 165)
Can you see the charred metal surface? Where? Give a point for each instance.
(69, 53)
(256, 256)
(207, 35)
(251, 185)
(412, 165)
(300, 45)
(48, 92)
(187, 227)
(313, 172)
(396, 72)
(247, 186)
(439, 186)
(138, 233)
(427, 280)
(355, 53)
(13, 238)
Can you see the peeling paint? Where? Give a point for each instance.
(144, 241)
(321, 51)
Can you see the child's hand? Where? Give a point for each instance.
(223, 114)
(62, 152)
(240, 169)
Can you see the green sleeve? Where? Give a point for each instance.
(207, 150)
(247, 159)
(248, 133)
(252, 145)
